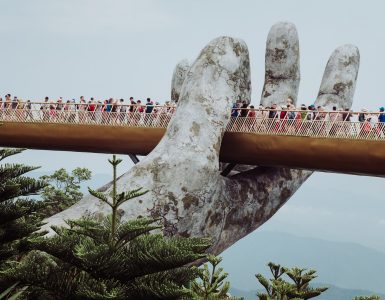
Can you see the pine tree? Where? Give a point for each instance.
(211, 284)
(18, 219)
(18, 214)
(108, 258)
(279, 289)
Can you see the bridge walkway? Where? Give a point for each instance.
(321, 143)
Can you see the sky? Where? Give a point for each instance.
(123, 48)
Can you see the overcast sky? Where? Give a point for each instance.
(125, 48)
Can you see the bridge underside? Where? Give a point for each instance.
(362, 157)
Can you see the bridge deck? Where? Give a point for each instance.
(327, 141)
(342, 155)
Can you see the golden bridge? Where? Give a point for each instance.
(322, 142)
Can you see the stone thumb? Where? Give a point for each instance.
(218, 77)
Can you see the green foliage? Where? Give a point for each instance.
(11, 293)
(18, 214)
(279, 289)
(373, 297)
(19, 218)
(211, 284)
(63, 189)
(108, 258)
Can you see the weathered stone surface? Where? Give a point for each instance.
(339, 80)
(282, 71)
(182, 172)
(178, 78)
(272, 187)
(254, 197)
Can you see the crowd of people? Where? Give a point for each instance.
(116, 110)
(288, 117)
(311, 112)
(71, 110)
(109, 105)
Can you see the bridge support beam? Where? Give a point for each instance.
(228, 169)
(134, 158)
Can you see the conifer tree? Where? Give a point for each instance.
(279, 289)
(18, 214)
(18, 219)
(211, 284)
(108, 258)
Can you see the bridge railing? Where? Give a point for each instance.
(325, 124)
(87, 114)
(309, 128)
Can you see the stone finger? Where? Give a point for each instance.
(220, 74)
(339, 79)
(178, 77)
(282, 67)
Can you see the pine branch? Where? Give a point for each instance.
(14, 170)
(12, 210)
(100, 196)
(18, 187)
(163, 285)
(124, 197)
(39, 270)
(88, 227)
(128, 231)
(7, 152)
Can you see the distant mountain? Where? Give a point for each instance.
(346, 265)
(333, 293)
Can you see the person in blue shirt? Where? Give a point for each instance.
(235, 110)
(381, 119)
(149, 106)
(108, 107)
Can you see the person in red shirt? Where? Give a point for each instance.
(140, 107)
(252, 112)
(283, 118)
(91, 109)
(251, 115)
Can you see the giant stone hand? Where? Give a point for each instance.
(182, 173)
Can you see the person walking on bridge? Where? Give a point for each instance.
(91, 108)
(7, 103)
(72, 108)
(122, 111)
(235, 110)
(149, 109)
(82, 110)
(244, 109)
(381, 120)
(20, 113)
(45, 109)
(333, 118)
(149, 106)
